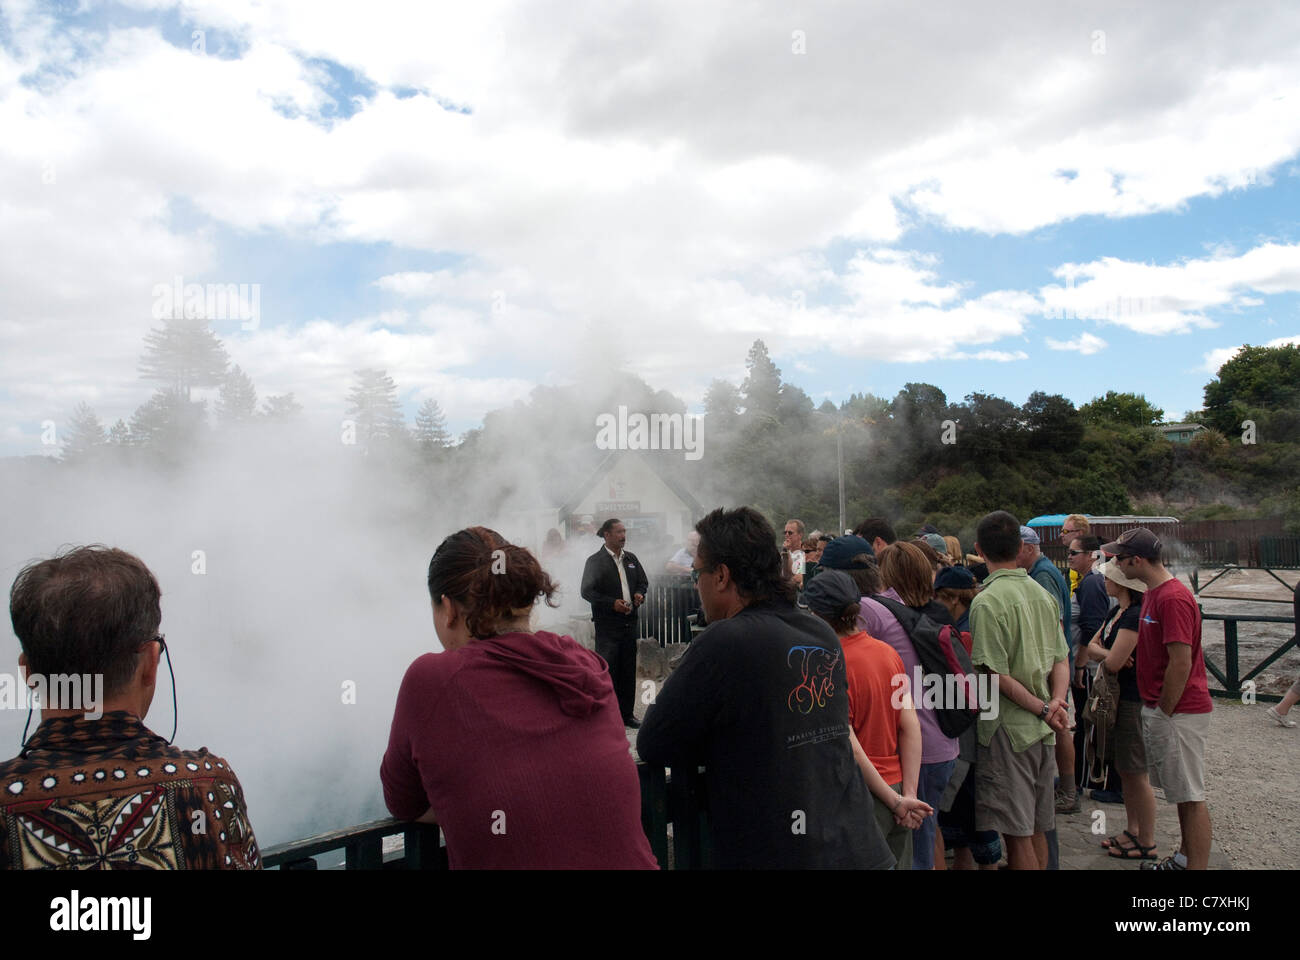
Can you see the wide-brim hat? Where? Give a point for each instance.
(1111, 571)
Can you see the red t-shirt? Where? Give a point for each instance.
(517, 744)
(1170, 615)
(873, 666)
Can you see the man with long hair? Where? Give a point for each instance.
(760, 700)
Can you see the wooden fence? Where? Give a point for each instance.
(1208, 543)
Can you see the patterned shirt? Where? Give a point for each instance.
(110, 794)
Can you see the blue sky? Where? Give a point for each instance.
(482, 200)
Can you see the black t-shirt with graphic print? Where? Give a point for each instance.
(761, 701)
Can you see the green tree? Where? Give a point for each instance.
(238, 400)
(431, 427)
(762, 387)
(281, 408)
(989, 430)
(183, 355)
(119, 435)
(372, 406)
(85, 434)
(1254, 384)
(1129, 409)
(721, 405)
(168, 424)
(1053, 423)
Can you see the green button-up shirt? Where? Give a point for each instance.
(1016, 630)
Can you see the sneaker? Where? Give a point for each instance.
(1280, 719)
(1168, 863)
(1067, 802)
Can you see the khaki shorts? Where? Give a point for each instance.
(1014, 792)
(1176, 753)
(1130, 751)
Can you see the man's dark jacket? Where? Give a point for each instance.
(601, 587)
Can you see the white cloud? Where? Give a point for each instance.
(657, 181)
(1085, 343)
(996, 356)
(1171, 298)
(1217, 358)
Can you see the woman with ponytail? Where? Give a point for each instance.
(511, 739)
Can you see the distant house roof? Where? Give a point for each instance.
(1179, 427)
(608, 464)
(1058, 519)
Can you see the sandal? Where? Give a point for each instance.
(1118, 840)
(1135, 852)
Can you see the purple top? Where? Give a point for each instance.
(880, 623)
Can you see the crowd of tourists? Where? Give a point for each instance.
(856, 701)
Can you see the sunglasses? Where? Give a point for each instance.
(1075, 553)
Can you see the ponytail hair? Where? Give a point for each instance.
(494, 581)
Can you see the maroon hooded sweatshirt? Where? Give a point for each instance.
(517, 744)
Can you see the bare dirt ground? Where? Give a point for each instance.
(1252, 764)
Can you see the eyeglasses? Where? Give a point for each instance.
(695, 574)
(1075, 553)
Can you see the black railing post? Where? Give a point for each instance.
(365, 853)
(1230, 655)
(423, 851)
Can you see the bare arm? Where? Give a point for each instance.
(1176, 674)
(1117, 656)
(1026, 699)
(909, 746)
(906, 810)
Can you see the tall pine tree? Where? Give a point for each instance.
(373, 409)
(85, 434)
(238, 401)
(281, 408)
(431, 427)
(762, 388)
(183, 355)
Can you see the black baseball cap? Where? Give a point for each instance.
(954, 578)
(839, 553)
(1139, 542)
(830, 592)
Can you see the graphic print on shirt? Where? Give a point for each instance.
(816, 666)
(133, 831)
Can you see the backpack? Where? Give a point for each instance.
(942, 653)
(1099, 711)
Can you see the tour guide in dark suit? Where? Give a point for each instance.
(614, 583)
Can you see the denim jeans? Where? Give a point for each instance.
(930, 786)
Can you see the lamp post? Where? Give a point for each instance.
(839, 464)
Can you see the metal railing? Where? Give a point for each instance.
(1230, 673)
(673, 816)
(665, 615)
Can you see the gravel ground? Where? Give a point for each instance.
(1252, 764)
(1253, 784)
